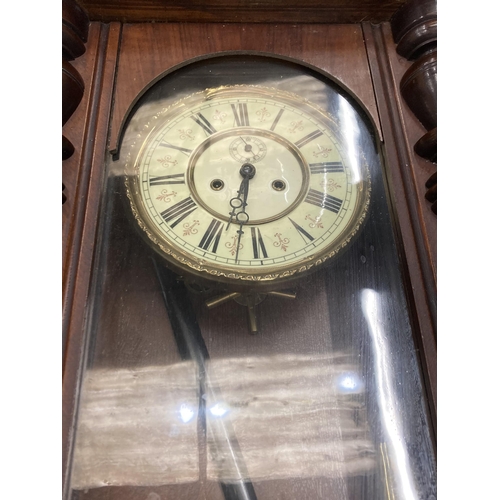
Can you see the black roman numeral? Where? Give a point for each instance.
(166, 179)
(323, 200)
(303, 233)
(204, 124)
(258, 244)
(185, 151)
(241, 114)
(179, 211)
(213, 233)
(326, 167)
(308, 138)
(277, 119)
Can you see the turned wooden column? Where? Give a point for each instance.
(75, 25)
(414, 29)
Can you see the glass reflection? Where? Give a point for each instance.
(218, 410)
(350, 383)
(291, 417)
(350, 130)
(373, 310)
(275, 417)
(186, 413)
(137, 427)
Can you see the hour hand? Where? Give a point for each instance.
(247, 171)
(238, 202)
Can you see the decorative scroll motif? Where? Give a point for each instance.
(166, 196)
(330, 185)
(282, 242)
(316, 222)
(263, 114)
(322, 151)
(167, 161)
(233, 245)
(296, 126)
(219, 116)
(186, 134)
(190, 228)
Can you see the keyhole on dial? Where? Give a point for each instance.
(217, 184)
(278, 185)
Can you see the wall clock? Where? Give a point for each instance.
(215, 156)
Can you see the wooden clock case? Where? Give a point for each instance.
(120, 60)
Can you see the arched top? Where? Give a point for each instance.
(149, 53)
(236, 67)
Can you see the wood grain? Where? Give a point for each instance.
(173, 45)
(419, 89)
(72, 90)
(86, 129)
(75, 25)
(407, 174)
(268, 11)
(412, 15)
(414, 28)
(75, 29)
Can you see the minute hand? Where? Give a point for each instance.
(247, 171)
(236, 202)
(242, 217)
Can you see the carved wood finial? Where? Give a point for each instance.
(414, 29)
(75, 27)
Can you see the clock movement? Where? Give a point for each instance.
(240, 166)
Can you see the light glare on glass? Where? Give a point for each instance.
(186, 413)
(218, 410)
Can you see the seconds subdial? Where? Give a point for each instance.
(247, 148)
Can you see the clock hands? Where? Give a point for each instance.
(247, 171)
(248, 147)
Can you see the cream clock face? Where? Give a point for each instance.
(246, 183)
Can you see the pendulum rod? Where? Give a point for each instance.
(191, 346)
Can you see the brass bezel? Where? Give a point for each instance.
(184, 262)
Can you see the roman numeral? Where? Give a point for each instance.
(258, 244)
(241, 114)
(179, 211)
(277, 119)
(303, 233)
(166, 179)
(213, 233)
(308, 138)
(323, 200)
(185, 151)
(326, 167)
(204, 124)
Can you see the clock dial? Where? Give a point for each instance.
(247, 183)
